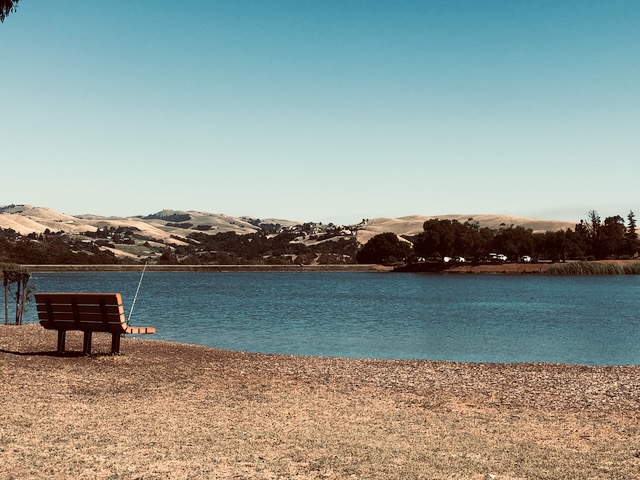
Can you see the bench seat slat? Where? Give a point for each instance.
(86, 317)
(82, 309)
(85, 327)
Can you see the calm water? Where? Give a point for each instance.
(484, 318)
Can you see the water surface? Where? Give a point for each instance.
(476, 318)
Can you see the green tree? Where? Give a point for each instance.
(575, 246)
(550, 245)
(438, 238)
(514, 241)
(384, 248)
(452, 238)
(6, 7)
(167, 257)
(631, 235)
(612, 241)
(590, 230)
(482, 242)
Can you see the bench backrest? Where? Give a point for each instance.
(89, 312)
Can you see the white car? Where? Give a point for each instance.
(526, 258)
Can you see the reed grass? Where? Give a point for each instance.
(594, 268)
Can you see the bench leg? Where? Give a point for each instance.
(86, 345)
(115, 343)
(61, 340)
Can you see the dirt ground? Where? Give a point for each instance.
(172, 411)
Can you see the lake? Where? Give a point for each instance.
(469, 318)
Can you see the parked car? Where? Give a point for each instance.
(525, 259)
(459, 259)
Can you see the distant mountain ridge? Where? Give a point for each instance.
(172, 225)
(26, 219)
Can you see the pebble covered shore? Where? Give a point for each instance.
(169, 410)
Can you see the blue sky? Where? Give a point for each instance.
(326, 111)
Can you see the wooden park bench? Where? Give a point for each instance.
(88, 313)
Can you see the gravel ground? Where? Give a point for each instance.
(168, 410)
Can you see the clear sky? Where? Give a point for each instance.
(322, 110)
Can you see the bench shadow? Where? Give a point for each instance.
(53, 354)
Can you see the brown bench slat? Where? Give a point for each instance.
(68, 308)
(84, 326)
(87, 312)
(83, 298)
(90, 326)
(86, 317)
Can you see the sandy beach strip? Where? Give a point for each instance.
(165, 410)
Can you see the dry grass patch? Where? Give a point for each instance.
(165, 410)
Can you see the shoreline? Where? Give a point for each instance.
(188, 411)
(472, 268)
(208, 268)
(569, 268)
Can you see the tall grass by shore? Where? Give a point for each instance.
(594, 268)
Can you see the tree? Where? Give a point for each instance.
(631, 235)
(575, 246)
(593, 223)
(589, 229)
(438, 238)
(551, 245)
(167, 257)
(631, 228)
(384, 248)
(612, 237)
(20, 276)
(514, 241)
(6, 7)
(452, 238)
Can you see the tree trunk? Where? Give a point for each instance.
(20, 278)
(23, 298)
(6, 299)
(18, 291)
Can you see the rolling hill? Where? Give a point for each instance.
(148, 236)
(171, 225)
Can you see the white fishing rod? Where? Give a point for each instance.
(137, 290)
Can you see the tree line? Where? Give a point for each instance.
(230, 248)
(227, 248)
(50, 249)
(591, 239)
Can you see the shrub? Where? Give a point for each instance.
(384, 248)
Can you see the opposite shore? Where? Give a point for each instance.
(208, 268)
(601, 267)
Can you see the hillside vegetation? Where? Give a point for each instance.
(37, 235)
